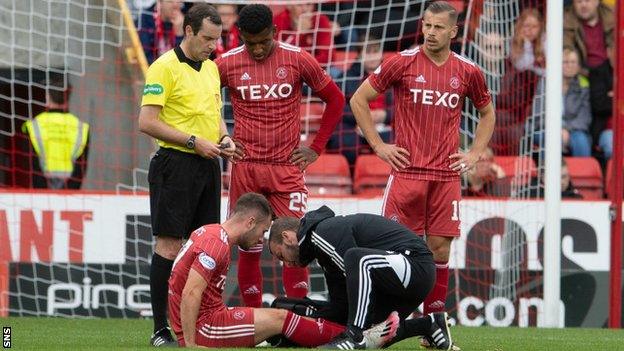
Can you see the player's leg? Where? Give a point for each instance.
(442, 227)
(371, 273)
(290, 198)
(171, 222)
(208, 208)
(303, 331)
(249, 273)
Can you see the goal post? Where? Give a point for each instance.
(552, 182)
(615, 277)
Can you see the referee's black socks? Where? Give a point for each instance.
(160, 270)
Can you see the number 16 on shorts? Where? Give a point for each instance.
(6, 337)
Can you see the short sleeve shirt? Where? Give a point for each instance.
(190, 98)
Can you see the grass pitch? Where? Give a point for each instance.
(120, 334)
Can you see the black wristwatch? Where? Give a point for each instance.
(190, 143)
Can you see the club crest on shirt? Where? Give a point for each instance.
(281, 73)
(239, 315)
(207, 261)
(454, 82)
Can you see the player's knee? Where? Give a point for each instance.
(276, 316)
(280, 314)
(168, 247)
(352, 255)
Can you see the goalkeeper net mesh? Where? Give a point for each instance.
(89, 46)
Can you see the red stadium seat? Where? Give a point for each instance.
(510, 164)
(329, 175)
(370, 175)
(586, 176)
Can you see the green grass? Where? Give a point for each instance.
(116, 334)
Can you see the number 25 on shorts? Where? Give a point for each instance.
(298, 202)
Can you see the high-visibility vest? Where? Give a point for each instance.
(58, 138)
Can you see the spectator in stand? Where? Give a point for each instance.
(589, 26)
(229, 36)
(567, 189)
(576, 107)
(486, 178)
(301, 25)
(527, 55)
(348, 137)
(491, 53)
(520, 83)
(59, 142)
(160, 28)
(527, 46)
(536, 186)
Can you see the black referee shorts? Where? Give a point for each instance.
(185, 192)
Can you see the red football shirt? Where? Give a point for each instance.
(207, 251)
(428, 101)
(266, 98)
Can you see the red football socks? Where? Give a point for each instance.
(308, 332)
(250, 276)
(295, 280)
(436, 300)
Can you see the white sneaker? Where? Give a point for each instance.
(264, 344)
(379, 334)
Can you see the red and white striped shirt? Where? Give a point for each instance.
(428, 100)
(206, 251)
(266, 98)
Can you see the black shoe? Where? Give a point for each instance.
(345, 341)
(280, 341)
(163, 338)
(439, 335)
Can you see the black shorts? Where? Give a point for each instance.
(185, 192)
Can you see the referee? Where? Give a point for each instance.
(373, 266)
(181, 108)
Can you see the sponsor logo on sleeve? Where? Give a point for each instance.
(154, 89)
(207, 261)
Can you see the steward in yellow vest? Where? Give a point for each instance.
(59, 141)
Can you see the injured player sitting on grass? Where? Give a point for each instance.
(198, 314)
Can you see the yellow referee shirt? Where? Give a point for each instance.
(189, 93)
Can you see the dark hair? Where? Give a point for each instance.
(443, 6)
(252, 202)
(195, 16)
(281, 224)
(57, 91)
(255, 18)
